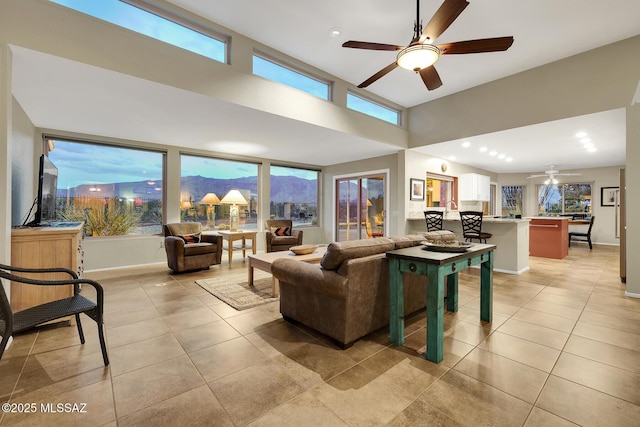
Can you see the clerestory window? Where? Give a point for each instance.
(372, 109)
(155, 23)
(278, 72)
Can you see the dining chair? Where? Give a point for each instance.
(472, 226)
(583, 236)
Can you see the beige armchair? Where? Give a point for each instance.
(277, 243)
(189, 249)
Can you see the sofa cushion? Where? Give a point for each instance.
(190, 238)
(338, 252)
(284, 240)
(183, 228)
(406, 241)
(199, 249)
(281, 231)
(439, 235)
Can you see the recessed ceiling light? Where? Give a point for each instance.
(585, 140)
(592, 149)
(501, 156)
(581, 134)
(588, 146)
(335, 32)
(466, 144)
(509, 159)
(483, 149)
(493, 153)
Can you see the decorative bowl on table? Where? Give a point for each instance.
(303, 249)
(446, 246)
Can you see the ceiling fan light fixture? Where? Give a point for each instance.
(418, 56)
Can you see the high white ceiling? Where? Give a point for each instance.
(94, 101)
(544, 31)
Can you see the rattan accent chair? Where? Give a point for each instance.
(434, 220)
(12, 323)
(472, 227)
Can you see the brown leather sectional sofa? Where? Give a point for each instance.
(346, 296)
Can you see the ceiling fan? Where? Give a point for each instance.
(421, 53)
(551, 175)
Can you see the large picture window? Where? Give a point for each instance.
(114, 190)
(564, 199)
(204, 181)
(294, 195)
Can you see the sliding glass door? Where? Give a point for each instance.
(360, 204)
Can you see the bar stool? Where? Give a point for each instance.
(472, 226)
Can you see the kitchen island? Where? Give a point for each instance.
(549, 237)
(510, 235)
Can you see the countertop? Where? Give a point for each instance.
(552, 218)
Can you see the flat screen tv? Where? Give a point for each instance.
(47, 188)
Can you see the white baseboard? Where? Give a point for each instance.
(631, 294)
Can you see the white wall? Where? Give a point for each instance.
(417, 165)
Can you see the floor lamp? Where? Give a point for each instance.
(211, 200)
(234, 198)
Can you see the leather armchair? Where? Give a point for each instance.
(189, 249)
(282, 243)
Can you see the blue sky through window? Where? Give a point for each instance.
(216, 168)
(143, 22)
(80, 163)
(372, 109)
(278, 73)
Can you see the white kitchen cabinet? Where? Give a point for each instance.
(473, 187)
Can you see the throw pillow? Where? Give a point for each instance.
(281, 231)
(190, 238)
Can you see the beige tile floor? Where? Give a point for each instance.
(563, 349)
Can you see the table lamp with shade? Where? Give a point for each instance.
(211, 200)
(185, 205)
(234, 198)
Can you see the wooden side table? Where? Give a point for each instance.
(243, 235)
(438, 267)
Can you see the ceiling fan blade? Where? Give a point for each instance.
(495, 44)
(536, 176)
(431, 78)
(377, 75)
(448, 12)
(371, 46)
(568, 174)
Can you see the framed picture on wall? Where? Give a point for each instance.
(416, 189)
(608, 196)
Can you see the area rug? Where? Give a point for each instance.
(237, 292)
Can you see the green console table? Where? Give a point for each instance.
(437, 266)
